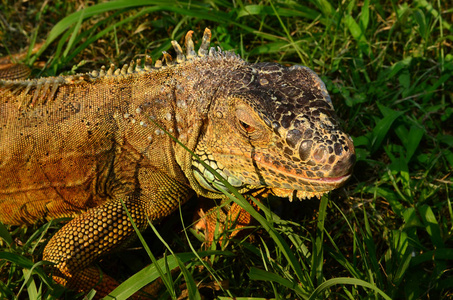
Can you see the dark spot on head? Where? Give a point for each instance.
(331, 159)
(288, 151)
(302, 102)
(308, 134)
(292, 137)
(309, 96)
(286, 121)
(338, 149)
(321, 104)
(287, 168)
(292, 179)
(305, 149)
(326, 167)
(311, 163)
(275, 126)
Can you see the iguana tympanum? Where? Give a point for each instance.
(81, 145)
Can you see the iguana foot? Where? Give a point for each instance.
(230, 218)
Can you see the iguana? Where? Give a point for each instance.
(89, 145)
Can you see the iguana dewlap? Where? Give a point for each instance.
(83, 145)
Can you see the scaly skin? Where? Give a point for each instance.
(84, 145)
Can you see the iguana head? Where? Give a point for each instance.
(273, 126)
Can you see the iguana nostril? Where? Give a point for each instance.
(305, 149)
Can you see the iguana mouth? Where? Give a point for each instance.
(304, 194)
(323, 184)
(290, 181)
(267, 175)
(330, 180)
(298, 177)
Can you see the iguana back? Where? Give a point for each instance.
(64, 153)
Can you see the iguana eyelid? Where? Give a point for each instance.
(247, 122)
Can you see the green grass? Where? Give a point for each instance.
(388, 66)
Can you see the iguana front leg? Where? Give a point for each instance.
(106, 228)
(94, 233)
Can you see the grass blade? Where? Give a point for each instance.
(258, 274)
(151, 272)
(5, 235)
(346, 281)
(318, 255)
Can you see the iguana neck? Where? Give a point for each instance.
(173, 102)
(195, 92)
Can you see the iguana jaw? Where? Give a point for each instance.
(302, 194)
(312, 187)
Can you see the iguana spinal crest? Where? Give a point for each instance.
(87, 145)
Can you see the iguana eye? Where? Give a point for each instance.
(246, 120)
(247, 127)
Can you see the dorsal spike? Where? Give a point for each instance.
(37, 91)
(190, 49)
(212, 51)
(167, 58)
(117, 72)
(24, 102)
(45, 88)
(54, 89)
(111, 70)
(138, 65)
(130, 70)
(27, 88)
(179, 54)
(102, 73)
(149, 63)
(124, 69)
(203, 50)
(158, 64)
